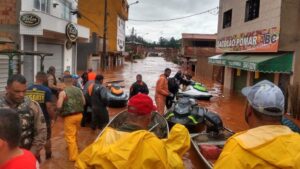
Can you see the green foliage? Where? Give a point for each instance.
(162, 42)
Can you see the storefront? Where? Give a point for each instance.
(4, 69)
(247, 69)
(43, 32)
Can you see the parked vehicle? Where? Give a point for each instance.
(195, 91)
(209, 145)
(186, 112)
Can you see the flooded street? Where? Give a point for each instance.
(230, 106)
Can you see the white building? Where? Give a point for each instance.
(45, 25)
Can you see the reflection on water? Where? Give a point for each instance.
(230, 106)
(150, 68)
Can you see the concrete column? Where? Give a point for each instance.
(22, 57)
(250, 76)
(295, 75)
(276, 78)
(67, 58)
(35, 68)
(228, 78)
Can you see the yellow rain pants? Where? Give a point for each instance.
(71, 127)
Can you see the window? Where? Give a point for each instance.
(42, 5)
(37, 4)
(67, 9)
(209, 44)
(227, 18)
(252, 10)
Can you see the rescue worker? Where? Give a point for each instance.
(42, 94)
(52, 82)
(84, 78)
(267, 144)
(132, 146)
(91, 75)
(100, 115)
(87, 92)
(173, 86)
(70, 103)
(11, 156)
(65, 73)
(186, 81)
(77, 81)
(33, 126)
(162, 91)
(139, 86)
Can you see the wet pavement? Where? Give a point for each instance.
(229, 105)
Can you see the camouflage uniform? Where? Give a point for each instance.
(33, 125)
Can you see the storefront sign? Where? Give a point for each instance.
(218, 62)
(71, 32)
(234, 64)
(249, 66)
(265, 40)
(29, 19)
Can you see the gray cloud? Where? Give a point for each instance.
(166, 9)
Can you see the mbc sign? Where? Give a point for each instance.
(265, 40)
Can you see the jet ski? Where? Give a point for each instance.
(199, 86)
(116, 97)
(186, 112)
(195, 91)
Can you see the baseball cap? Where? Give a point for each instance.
(140, 104)
(265, 96)
(75, 76)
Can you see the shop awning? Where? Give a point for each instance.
(267, 63)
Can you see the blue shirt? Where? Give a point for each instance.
(41, 94)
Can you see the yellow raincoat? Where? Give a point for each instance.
(266, 147)
(139, 149)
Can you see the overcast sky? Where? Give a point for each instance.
(167, 9)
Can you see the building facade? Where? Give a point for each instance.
(260, 40)
(117, 14)
(44, 26)
(195, 51)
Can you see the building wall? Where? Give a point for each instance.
(269, 16)
(120, 34)
(94, 10)
(204, 70)
(8, 21)
(290, 34)
(50, 35)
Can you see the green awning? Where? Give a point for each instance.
(267, 63)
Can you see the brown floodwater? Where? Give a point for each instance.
(229, 105)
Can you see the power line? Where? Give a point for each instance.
(211, 11)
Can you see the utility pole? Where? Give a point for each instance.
(104, 59)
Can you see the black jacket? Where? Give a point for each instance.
(138, 88)
(99, 96)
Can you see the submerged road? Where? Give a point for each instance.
(230, 106)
